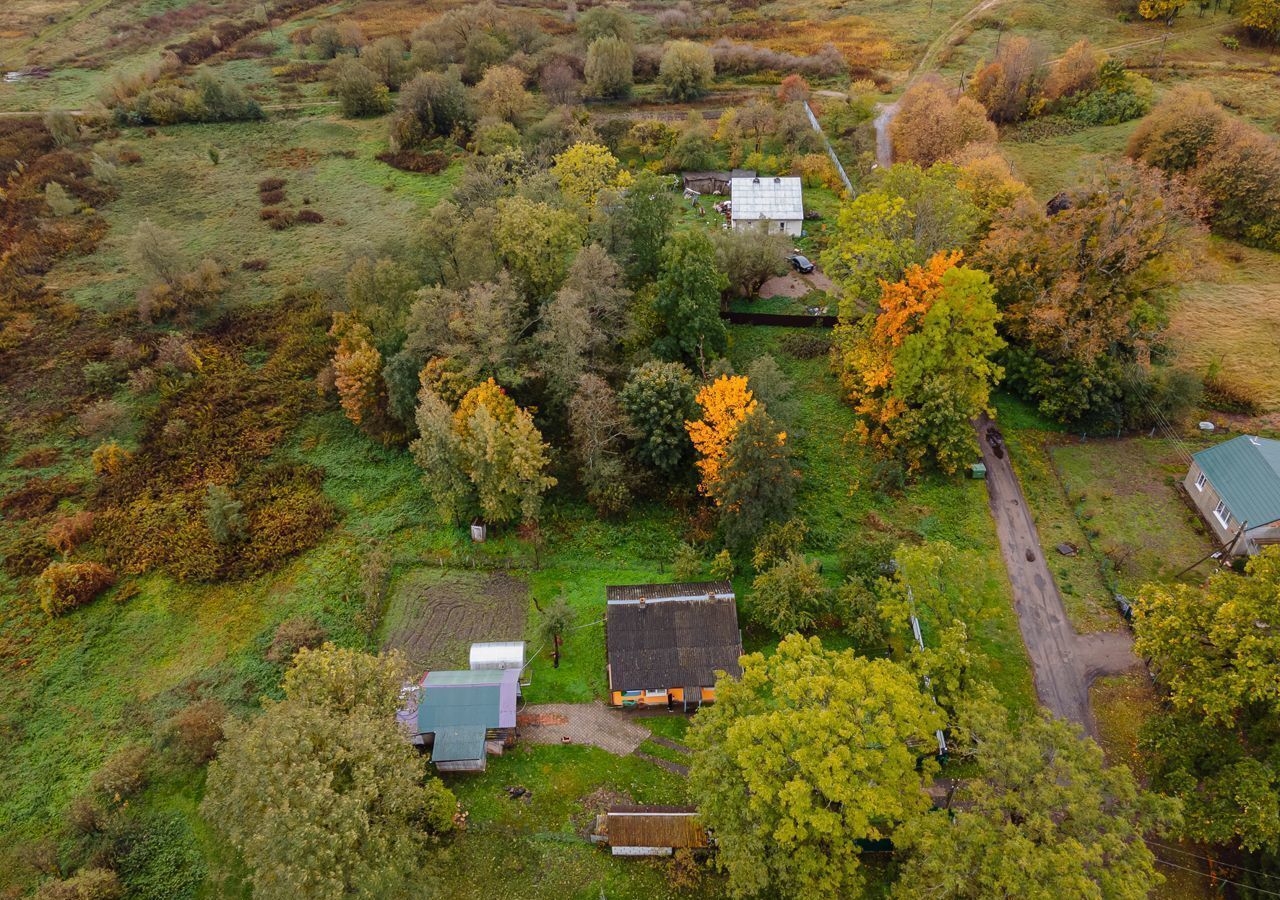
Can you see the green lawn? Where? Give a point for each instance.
(1125, 494)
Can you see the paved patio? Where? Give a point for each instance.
(582, 723)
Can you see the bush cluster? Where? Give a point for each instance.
(64, 586)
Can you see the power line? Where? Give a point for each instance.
(1247, 887)
(1216, 862)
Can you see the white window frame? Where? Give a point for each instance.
(1201, 479)
(1222, 514)
(650, 695)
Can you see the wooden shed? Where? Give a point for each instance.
(652, 830)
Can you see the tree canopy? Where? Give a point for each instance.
(809, 752)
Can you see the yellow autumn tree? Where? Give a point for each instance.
(357, 367)
(726, 403)
(585, 170)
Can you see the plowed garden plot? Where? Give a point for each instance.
(436, 615)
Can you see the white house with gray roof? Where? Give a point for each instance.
(777, 202)
(1236, 485)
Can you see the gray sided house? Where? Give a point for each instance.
(1236, 485)
(777, 203)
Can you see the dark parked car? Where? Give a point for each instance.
(801, 264)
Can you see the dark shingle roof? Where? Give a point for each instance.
(1245, 471)
(670, 642)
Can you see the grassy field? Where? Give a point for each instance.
(1232, 319)
(328, 166)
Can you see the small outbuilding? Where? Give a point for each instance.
(777, 203)
(462, 717)
(666, 642)
(1236, 487)
(651, 830)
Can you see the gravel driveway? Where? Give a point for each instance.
(1064, 663)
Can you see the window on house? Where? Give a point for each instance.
(1200, 480)
(655, 693)
(1222, 514)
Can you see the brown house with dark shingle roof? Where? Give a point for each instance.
(665, 642)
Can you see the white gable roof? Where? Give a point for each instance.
(766, 198)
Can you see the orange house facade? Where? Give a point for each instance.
(667, 643)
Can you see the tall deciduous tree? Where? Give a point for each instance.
(648, 212)
(599, 429)
(609, 68)
(1084, 290)
(910, 215)
(931, 125)
(919, 371)
(486, 457)
(359, 812)
(725, 404)
(750, 256)
(431, 105)
(357, 366)
(1042, 817)
(582, 323)
(688, 300)
(537, 242)
(686, 71)
(501, 94)
(757, 483)
(1005, 85)
(809, 752)
(584, 171)
(658, 399)
(1216, 650)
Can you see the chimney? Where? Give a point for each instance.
(642, 604)
(777, 180)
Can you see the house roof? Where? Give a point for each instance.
(766, 198)
(678, 640)
(451, 701)
(654, 826)
(1245, 471)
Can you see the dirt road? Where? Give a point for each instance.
(1064, 663)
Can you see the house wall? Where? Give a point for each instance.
(1205, 500)
(793, 227)
(676, 695)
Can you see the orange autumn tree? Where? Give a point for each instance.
(726, 403)
(357, 367)
(919, 370)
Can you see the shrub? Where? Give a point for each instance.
(789, 597)
(24, 554)
(293, 635)
(158, 857)
(270, 184)
(778, 542)
(224, 514)
(686, 71)
(609, 68)
(257, 264)
(197, 729)
(108, 459)
(375, 573)
(62, 125)
(64, 586)
(60, 202)
(271, 198)
(155, 254)
(70, 531)
(809, 344)
(358, 89)
(85, 815)
(100, 375)
(87, 884)
(174, 353)
(687, 564)
(1221, 392)
(309, 217)
(123, 775)
(277, 219)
